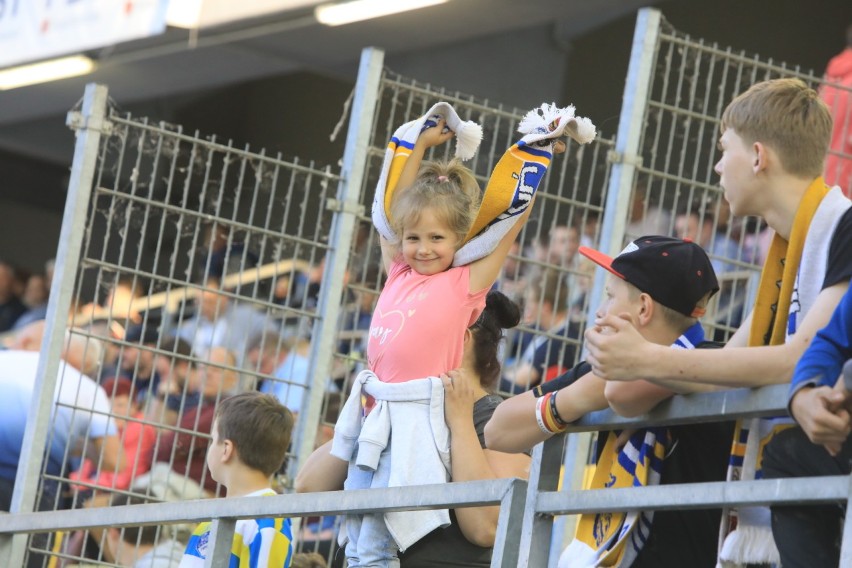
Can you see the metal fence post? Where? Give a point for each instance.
(507, 540)
(846, 542)
(220, 544)
(91, 123)
(534, 547)
(627, 153)
(342, 229)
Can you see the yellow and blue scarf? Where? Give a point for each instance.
(512, 184)
(614, 539)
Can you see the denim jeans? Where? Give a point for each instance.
(369, 544)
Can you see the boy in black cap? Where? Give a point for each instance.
(662, 285)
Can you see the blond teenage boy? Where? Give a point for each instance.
(251, 433)
(774, 139)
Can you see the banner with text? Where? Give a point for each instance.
(38, 29)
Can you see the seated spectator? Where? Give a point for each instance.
(355, 326)
(227, 253)
(140, 547)
(251, 433)
(513, 275)
(174, 394)
(120, 307)
(138, 364)
(647, 216)
(700, 229)
(221, 321)
(591, 226)
(266, 353)
(559, 247)
(92, 485)
(79, 419)
(35, 299)
(545, 357)
(290, 376)
(178, 471)
(11, 307)
(137, 439)
(663, 294)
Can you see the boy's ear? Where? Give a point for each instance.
(646, 310)
(228, 451)
(761, 157)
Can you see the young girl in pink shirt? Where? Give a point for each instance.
(434, 291)
(426, 304)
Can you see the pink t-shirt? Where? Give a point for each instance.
(419, 323)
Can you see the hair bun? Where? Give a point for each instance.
(506, 313)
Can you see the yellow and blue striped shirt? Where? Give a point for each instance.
(258, 543)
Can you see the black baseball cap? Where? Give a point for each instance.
(675, 272)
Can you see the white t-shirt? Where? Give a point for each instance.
(81, 411)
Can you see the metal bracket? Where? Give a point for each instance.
(76, 121)
(339, 206)
(615, 157)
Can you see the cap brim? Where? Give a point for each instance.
(600, 259)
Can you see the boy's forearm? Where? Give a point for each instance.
(585, 395)
(636, 398)
(513, 427)
(728, 368)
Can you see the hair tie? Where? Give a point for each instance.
(443, 179)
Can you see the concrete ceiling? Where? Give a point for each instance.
(180, 62)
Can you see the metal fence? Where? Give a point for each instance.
(167, 233)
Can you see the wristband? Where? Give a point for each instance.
(547, 422)
(555, 412)
(540, 407)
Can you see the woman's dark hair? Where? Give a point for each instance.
(500, 313)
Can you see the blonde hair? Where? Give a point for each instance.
(787, 115)
(449, 188)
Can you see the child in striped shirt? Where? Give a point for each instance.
(251, 433)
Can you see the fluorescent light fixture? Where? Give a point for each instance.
(357, 10)
(184, 14)
(45, 71)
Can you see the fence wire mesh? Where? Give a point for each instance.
(202, 264)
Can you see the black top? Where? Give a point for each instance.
(698, 453)
(840, 252)
(448, 546)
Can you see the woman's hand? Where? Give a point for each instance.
(459, 398)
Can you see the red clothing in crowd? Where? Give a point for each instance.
(838, 169)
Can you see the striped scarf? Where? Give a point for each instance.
(782, 301)
(614, 539)
(512, 184)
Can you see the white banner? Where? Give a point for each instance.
(38, 29)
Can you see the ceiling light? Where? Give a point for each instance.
(357, 10)
(45, 71)
(184, 14)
